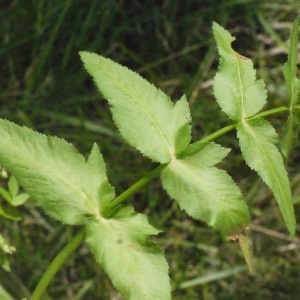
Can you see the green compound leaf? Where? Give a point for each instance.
(257, 139)
(54, 173)
(145, 116)
(291, 69)
(237, 91)
(205, 192)
(135, 265)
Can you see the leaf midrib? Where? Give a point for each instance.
(151, 117)
(44, 169)
(273, 170)
(211, 190)
(241, 88)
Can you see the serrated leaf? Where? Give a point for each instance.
(290, 68)
(237, 91)
(53, 172)
(145, 116)
(257, 139)
(205, 154)
(205, 192)
(135, 265)
(96, 184)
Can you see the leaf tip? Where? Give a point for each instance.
(82, 55)
(291, 226)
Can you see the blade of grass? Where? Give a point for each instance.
(31, 85)
(77, 122)
(212, 277)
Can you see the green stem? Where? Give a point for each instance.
(57, 263)
(142, 182)
(218, 133)
(269, 112)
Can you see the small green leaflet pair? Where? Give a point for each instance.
(76, 191)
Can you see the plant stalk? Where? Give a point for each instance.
(139, 184)
(79, 237)
(56, 264)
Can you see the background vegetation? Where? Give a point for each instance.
(43, 85)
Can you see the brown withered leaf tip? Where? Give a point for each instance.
(242, 57)
(235, 236)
